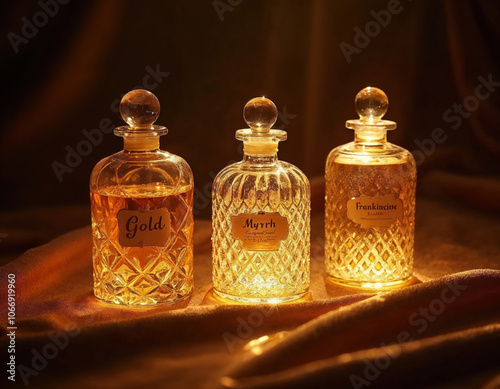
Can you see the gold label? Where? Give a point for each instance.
(371, 212)
(260, 231)
(143, 228)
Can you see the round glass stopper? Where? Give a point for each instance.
(371, 104)
(260, 113)
(140, 108)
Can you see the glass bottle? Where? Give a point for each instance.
(142, 219)
(261, 218)
(370, 202)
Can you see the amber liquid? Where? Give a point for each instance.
(369, 257)
(142, 275)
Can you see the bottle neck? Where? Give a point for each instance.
(370, 137)
(260, 152)
(260, 159)
(141, 143)
(260, 147)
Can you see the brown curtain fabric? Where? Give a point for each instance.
(204, 62)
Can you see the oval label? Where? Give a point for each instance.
(371, 212)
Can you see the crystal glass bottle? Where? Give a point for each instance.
(142, 219)
(370, 202)
(261, 218)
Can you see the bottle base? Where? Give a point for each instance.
(149, 303)
(366, 284)
(258, 300)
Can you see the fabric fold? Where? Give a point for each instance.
(440, 358)
(456, 308)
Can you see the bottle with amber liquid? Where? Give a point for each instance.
(370, 202)
(142, 219)
(261, 218)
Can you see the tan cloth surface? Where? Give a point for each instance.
(447, 321)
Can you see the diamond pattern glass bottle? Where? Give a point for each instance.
(370, 202)
(142, 219)
(261, 218)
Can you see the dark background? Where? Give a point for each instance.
(219, 54)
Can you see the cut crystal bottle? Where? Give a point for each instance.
(261, 218)
(142, 219)
(370, 202)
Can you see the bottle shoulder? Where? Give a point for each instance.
(131, 169)
(279, 170)
(385, 154)
(280, 184)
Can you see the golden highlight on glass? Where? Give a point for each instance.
(142, 219)
(261, 218)
(370, 202)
